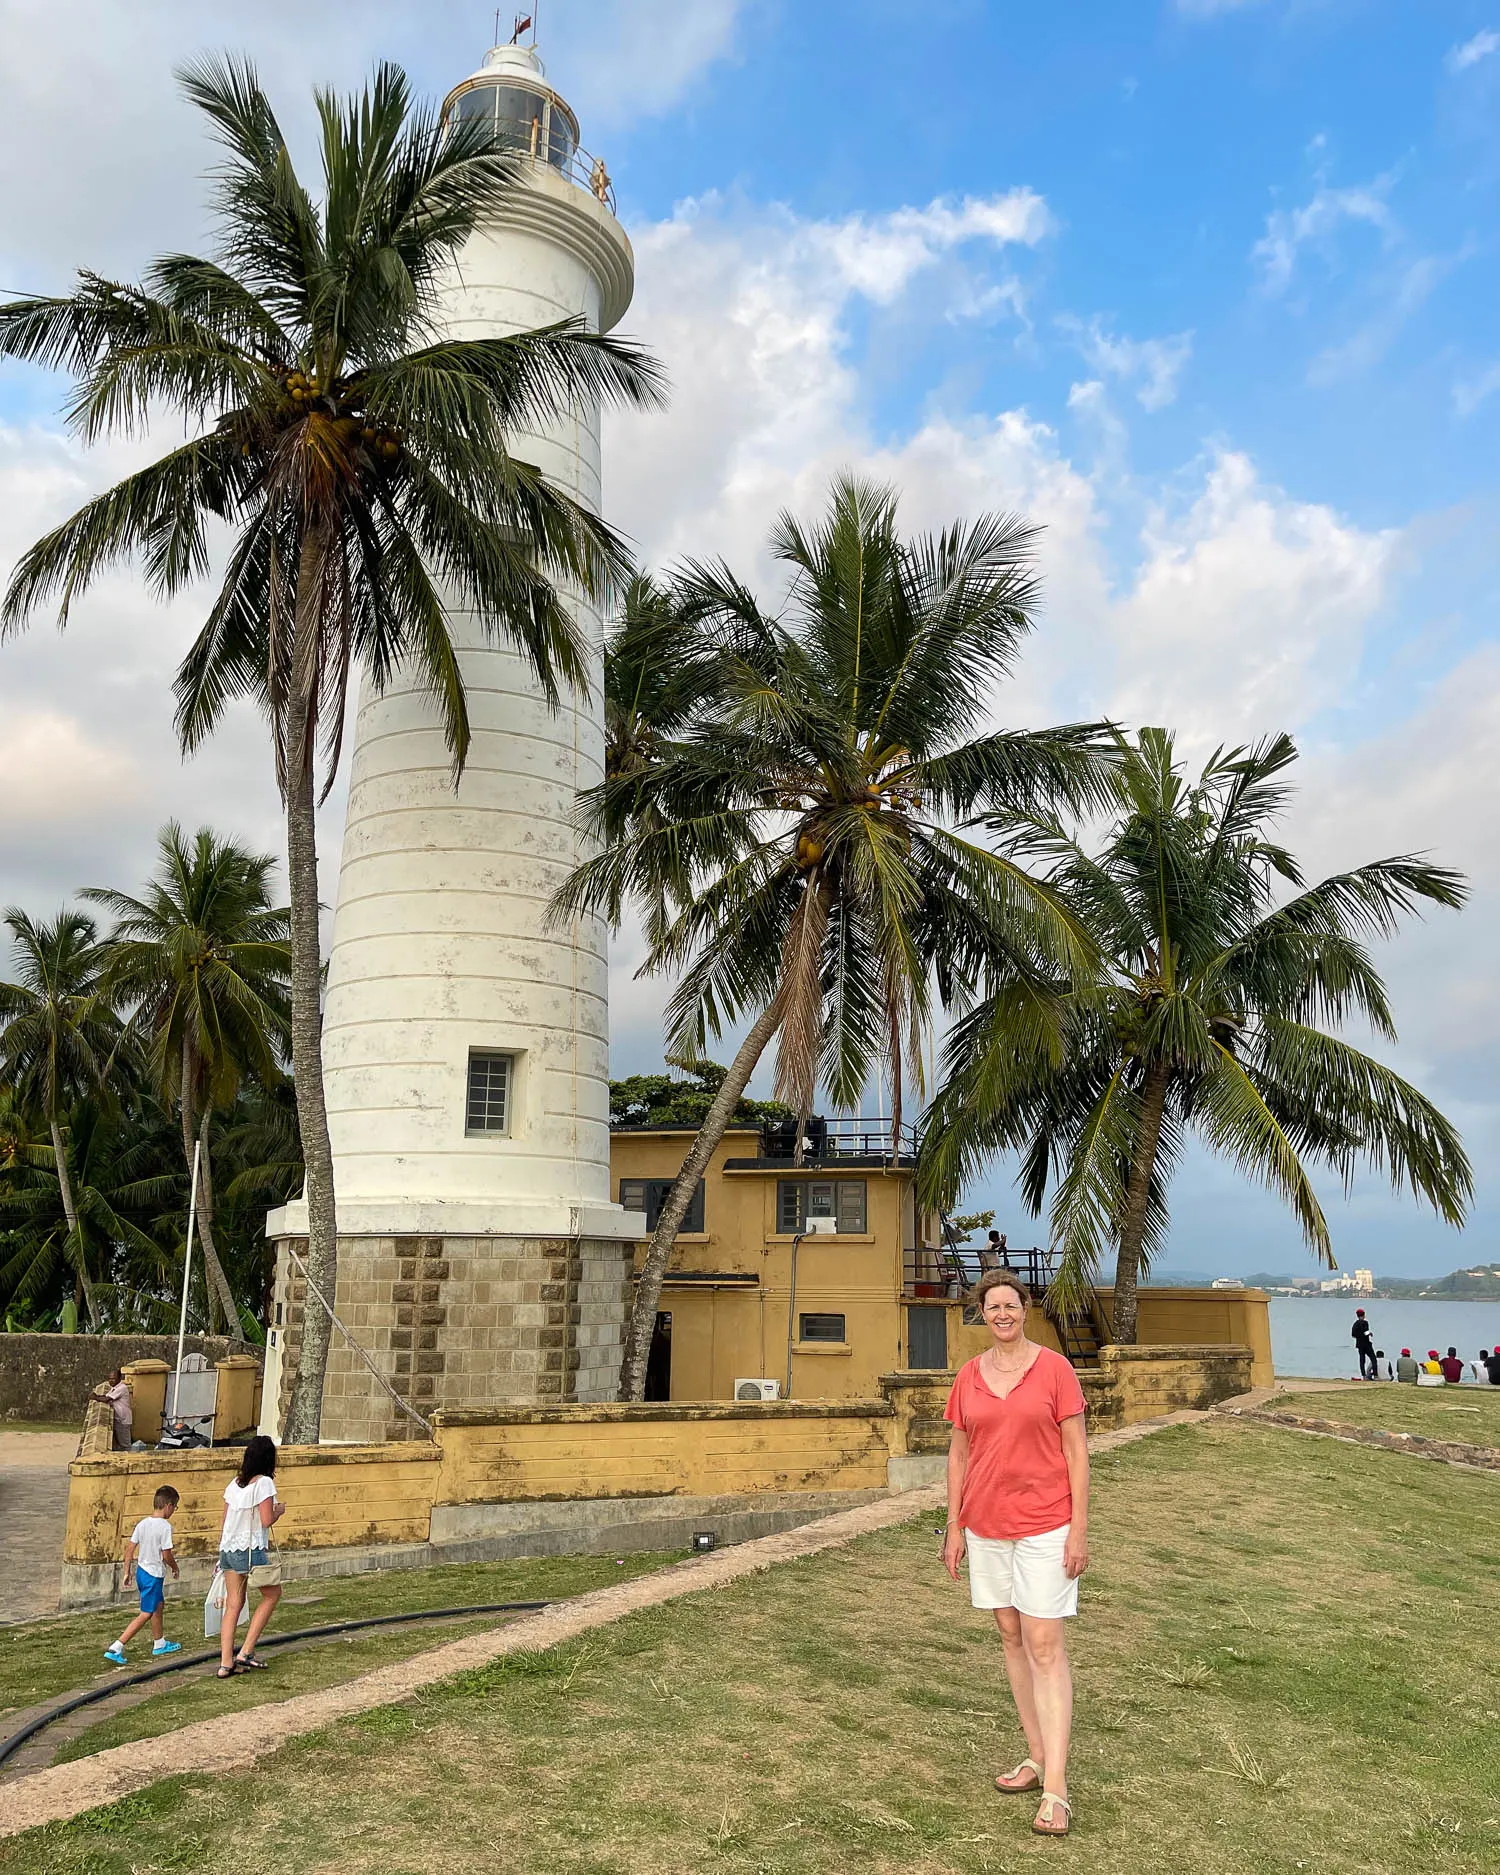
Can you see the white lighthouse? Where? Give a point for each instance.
(466, 1037)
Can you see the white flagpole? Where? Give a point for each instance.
(187, 1272)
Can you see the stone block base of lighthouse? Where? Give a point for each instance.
(460, 1322)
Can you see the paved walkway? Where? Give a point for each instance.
(238, 1740)
(33, 1513)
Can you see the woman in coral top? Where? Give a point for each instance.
(1018, 1505)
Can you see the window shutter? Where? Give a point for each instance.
(820, 1198)
(851, 1211)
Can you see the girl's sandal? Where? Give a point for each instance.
(250, 1662)
(1050, 1805)
(1008, 1789)
(227, 1673)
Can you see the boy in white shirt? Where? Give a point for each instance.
(148, 1555)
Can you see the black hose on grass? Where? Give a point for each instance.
(11, 1745)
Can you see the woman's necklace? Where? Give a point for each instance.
(999, 1367)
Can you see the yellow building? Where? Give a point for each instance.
(823, 1276)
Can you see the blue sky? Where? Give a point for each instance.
(1206, 287)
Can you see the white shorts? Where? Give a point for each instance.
(1025, 1573)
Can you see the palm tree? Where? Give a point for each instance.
(357, 456)
(792, 842)
(1212, 1017)
(56, 1041)
(122, 1186)
(203, 959)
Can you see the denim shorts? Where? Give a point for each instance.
(242, 1561)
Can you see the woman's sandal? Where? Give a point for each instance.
(1050, 1804)
(250, 1662)
(227, 1673)
(1008, 1789)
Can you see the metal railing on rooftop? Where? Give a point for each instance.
(846, 1136)
(575, 165)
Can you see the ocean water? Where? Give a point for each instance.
(1310, 1335)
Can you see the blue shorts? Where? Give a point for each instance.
(242, 1561)
(151, 1588)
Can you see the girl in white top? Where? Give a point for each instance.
(250, 1509)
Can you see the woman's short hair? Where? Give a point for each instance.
(1000, 1279)
(259, 1460)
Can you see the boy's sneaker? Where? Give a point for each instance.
(115, 1654)
(164, 1647)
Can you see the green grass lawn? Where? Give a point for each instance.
(41, 1659)
(1470, 1415)
(1285, 1662)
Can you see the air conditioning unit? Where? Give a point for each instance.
(757, 1389)
(822, 1227)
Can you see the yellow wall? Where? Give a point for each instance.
(552, 1453)
(343, 1495)
(725, 1332)
(334, 1495)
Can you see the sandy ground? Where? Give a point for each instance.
(33, 1513)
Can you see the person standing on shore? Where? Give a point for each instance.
(1364, 1347)
(1018, 1502)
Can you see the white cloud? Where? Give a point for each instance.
(113, 158)
(1151, 365)
(1289, 231)
(1399, 296)
(1473, 50)
(878, 255)
(1248, 609)
(1470, 393)
(628, 59)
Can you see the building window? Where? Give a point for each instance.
(650, 1194)
(487, 1109)
(927, 1339)
(842, 1199)
(821, 1328)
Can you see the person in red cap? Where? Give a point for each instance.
(1364, 1347)
(1406, 1368)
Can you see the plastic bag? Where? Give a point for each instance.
(213, 1607)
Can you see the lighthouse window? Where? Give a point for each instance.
(488, 1106)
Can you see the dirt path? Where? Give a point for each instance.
(237, 1740)
(33, 1513)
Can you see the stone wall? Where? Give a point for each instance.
(461, 1324)
(1128, 1385)
(523, 1482)
(549, 1454)
(52, 1376)
(1151, 1381)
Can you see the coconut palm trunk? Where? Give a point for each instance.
(654, 1269)
(220, 1295)
(306, 1413)
(70, 1212)
(1137, 1202)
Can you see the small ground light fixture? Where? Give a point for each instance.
(703, 1541)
